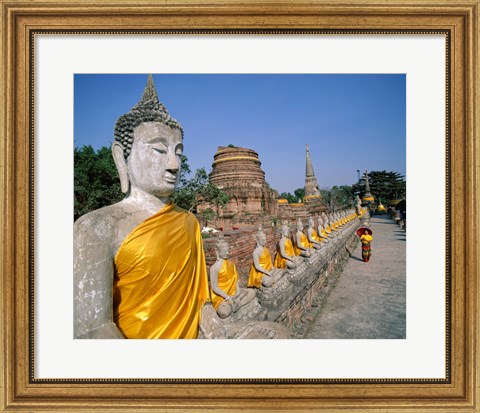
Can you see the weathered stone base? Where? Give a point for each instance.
(309, 294)
(279, 292)
(252, 311)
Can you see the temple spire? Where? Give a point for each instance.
(311, 185)
(309, 167)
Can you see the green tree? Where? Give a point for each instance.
(199, 189)
(184, 171)
(337, 197)
(289, 197)
(385, 185)
(96, 181)
(299, 194)
(208, 214)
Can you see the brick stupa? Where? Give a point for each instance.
(238, 172)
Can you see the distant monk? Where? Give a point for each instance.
(261, 270)
(139, 266)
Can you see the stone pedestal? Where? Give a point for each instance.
(272, 297)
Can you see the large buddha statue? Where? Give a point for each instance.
(227, 296)
(285, 256)
(139, 266)
(302, 245)
(261, 271)
(312, 235)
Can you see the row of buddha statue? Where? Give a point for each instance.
(270, 281)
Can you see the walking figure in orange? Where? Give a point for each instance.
(366, 238)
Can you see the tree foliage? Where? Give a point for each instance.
(289, 197)
(337, 197)
(191, 192)
(299, 194)
(96, 181)
(384, 185)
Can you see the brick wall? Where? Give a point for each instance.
(242, 243)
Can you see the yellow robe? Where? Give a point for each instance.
(315, 236)
(281, 262)
(366, 239)
(305, 244)
(255, 277)
(161, 279)
(227, 281)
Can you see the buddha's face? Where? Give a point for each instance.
(285, 231)
(299, 226)
(222, 251)
(155, 158)
(261, 239)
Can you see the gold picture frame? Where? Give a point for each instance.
(459, 392)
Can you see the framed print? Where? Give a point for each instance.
(52, 49)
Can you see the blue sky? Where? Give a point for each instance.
(349, 122)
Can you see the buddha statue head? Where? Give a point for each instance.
(260, 237)
(148, 147)
(285, 230)
(299, 225)
(311, 222)
(221, 247)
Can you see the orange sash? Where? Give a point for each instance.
(255, 277)
(281, 262)
(161, 279)
(227, 281)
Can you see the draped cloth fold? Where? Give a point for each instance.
(255, 277)
(305, 244)
(227, 281)
(315, 236)
(281, 262)
(161, 282)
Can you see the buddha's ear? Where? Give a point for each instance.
(121, 164)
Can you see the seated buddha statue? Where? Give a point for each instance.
(358, 206)
(332, 222)
(261, 271)
(302, 245)
(312, 235)
(285, 256)
(321, 233)
(139, 265)
(225, 293)
(328, 228)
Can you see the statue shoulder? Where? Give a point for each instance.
(101, 225)
(189, 216)
(216, 267)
